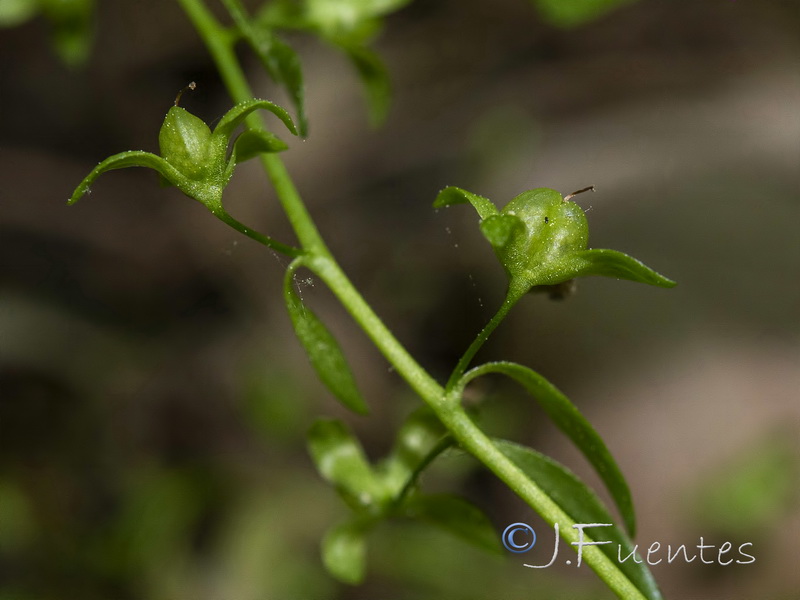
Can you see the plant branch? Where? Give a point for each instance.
(317, 257)
(512, 297)
(475, 441)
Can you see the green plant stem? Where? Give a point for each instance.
(255, 235)
(318, 258)
(473, 440)
(512, 297)
(417, 377)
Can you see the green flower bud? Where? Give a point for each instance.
(541, 240)
(185, 141)
(547, 230)
(193, 158)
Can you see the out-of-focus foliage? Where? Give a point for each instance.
(571, 13)
(752, 492)
(351, 26)
(71, 24)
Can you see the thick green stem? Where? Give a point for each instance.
(317, 257)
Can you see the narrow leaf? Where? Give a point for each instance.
(134, 158)
(568, 419)
(498, 229)
(279, 60)
(611, 263)
(420, 439)
(582, 505)
(255, 141)
(285, 68)
(458, 516)
(340, 460)
(344, 551)
(231, 119)
(323, 350)
(454, 195)
(375, 78)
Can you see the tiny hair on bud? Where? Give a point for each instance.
(573, 194)
(192, 85)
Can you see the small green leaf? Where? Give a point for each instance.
(255, 141)
(340, 460)
(375, 79)
(185, 142)
(280, 61)
(322, 349)
(344, 551)
(582, 505)
(498, 229)
(458, 516)
(285, 69)
(569, 420)
(231, 119)
(134, 158)
(421, 437)
(454, 195)
(571, 13)
(16, 12)
(610, 263)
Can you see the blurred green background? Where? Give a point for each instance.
(154, 401)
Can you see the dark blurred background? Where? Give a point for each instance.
(153, 398)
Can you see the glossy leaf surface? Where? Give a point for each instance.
(184, 141)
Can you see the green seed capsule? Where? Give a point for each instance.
(541, 239)
(548, 230)
(185, 143)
